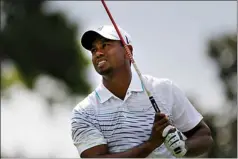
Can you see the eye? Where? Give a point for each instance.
(93, 50)
(105, 45)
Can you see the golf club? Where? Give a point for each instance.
(151, 98)
(169, 128)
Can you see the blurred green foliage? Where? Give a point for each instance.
(43, 43)
(10, 77)
(223, 52)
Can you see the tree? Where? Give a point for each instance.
(43, 43)
(223, 51)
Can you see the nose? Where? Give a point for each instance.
(99, 53)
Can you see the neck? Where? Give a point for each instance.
(118, 83)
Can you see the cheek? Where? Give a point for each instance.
(93, 60)
(119, 54)
(116, 58)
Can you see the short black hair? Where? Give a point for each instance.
(103, 39)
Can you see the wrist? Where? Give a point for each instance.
(186, 146)
(152, 145)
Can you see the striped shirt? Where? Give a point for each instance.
(103, 118)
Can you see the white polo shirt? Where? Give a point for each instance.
(102, 118)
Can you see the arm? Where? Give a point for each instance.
(199, 140)
(90, 142)
(141, 151)
(84, 134)
(101, 151)
(188, 120)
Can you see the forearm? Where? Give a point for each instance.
(141, 151)
(198, 144)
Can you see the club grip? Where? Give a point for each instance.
(154, 104)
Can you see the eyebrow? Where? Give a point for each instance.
(102, 40)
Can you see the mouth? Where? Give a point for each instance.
(101, 63)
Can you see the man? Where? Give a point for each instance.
(117, 120)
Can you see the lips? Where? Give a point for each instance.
(100, 63)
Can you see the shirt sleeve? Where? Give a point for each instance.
(84, 133)
(184, 114)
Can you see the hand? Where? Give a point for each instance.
(175, 141)
(161, 121)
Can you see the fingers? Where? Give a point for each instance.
(159, 116)
(162, 121)
(160, 127)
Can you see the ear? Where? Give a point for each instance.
(131, 49)
(127, 57)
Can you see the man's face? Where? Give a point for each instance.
(107, 55)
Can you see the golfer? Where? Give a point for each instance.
(117, 119)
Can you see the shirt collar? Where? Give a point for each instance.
(103, 94)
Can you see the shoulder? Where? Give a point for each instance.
(86, 105)
(154, 82)
(161, 89)
(163, 85)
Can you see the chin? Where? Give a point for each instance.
(104, 72)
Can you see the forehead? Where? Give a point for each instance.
(99, 39)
